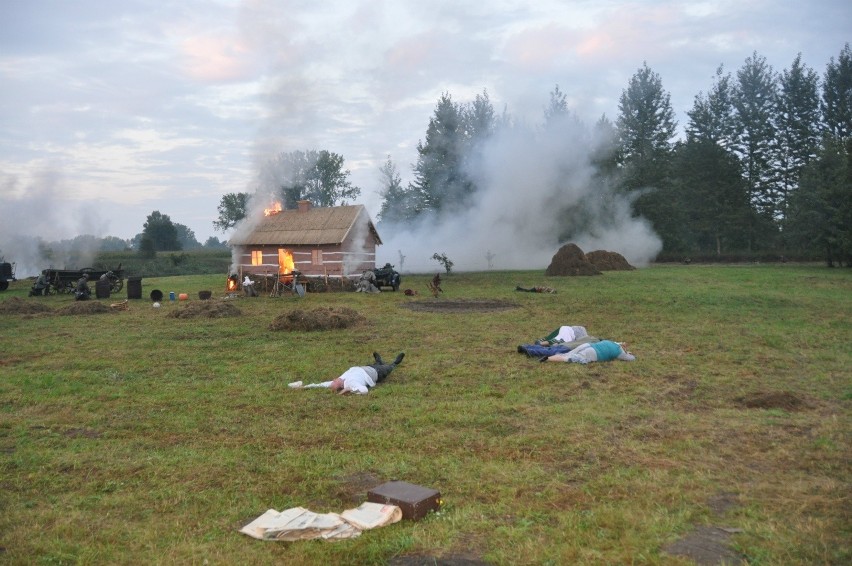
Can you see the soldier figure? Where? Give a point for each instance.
(41, 285)
(82, 291)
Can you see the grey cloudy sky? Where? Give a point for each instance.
(112, 109)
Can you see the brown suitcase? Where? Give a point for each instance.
(414, 500)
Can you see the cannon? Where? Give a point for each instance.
(64, 280)
(387, 276)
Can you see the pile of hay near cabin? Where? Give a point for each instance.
(326, 318)
(206, 309)
(570, 260)
(608, 261)
(83, 307)
(17, 305)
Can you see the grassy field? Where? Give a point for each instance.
(134, 437)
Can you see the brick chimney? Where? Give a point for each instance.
(304, 205)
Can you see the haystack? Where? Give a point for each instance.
(84, 308)
(17, 305)
(608, 261)
(570, 260)
(206, 309)
(323, 318)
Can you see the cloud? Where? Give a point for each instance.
(217, 59)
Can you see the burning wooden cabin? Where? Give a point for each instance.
(336, 241)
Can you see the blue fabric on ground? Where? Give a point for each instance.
(535, 351)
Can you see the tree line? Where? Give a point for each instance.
(763, 169)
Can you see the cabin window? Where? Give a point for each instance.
(257, 257)
(316, 257)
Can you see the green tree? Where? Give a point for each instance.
(440, 185)
(798, 126)
(113, 244)
(186, 237)
(232, 209)
(646, 127)
(712, 195)
(836, 101)
(162, 232)
(755, 101)
(480, 119)
(329, 183)
(394, 194)
(317, 176)
(821, 211)
(146, 248)
(712, 115)
(213, 243)
(557, 107)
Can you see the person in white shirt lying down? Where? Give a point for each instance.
(358, 379)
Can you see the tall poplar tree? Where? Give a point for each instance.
(836, 102)
(798, 125)
(646, 126)
(712, 115)
(440, 184)
(395, 197)
(755, 101)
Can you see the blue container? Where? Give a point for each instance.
(171, 295)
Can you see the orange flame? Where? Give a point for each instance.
(286, 265)
(231, 285)
(276, 208)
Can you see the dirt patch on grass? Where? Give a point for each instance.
(206, 309)
(449, 560)
(353, 488)
(82, 433)
(461, 305)
(721, 503)
(84, 308)
(774, 400)
(706, 545)
(17, 305)
(327, 318)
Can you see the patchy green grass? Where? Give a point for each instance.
(132, 436)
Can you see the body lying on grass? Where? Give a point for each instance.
(560, 341)
(602, 351)
(358, 379)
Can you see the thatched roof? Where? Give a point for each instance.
(312, 227)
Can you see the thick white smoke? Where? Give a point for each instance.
(529, 181)
(35, 217)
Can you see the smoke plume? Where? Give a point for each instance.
(36, 217)
(534, 187)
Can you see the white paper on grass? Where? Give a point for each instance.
(371, 515)
(299, 523)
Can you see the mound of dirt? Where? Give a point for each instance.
(608, 261)
(327, 318)
(773, 400)
(570, 260)
(84, 307)
(461, 306)
(17, 305)
(206, 309)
